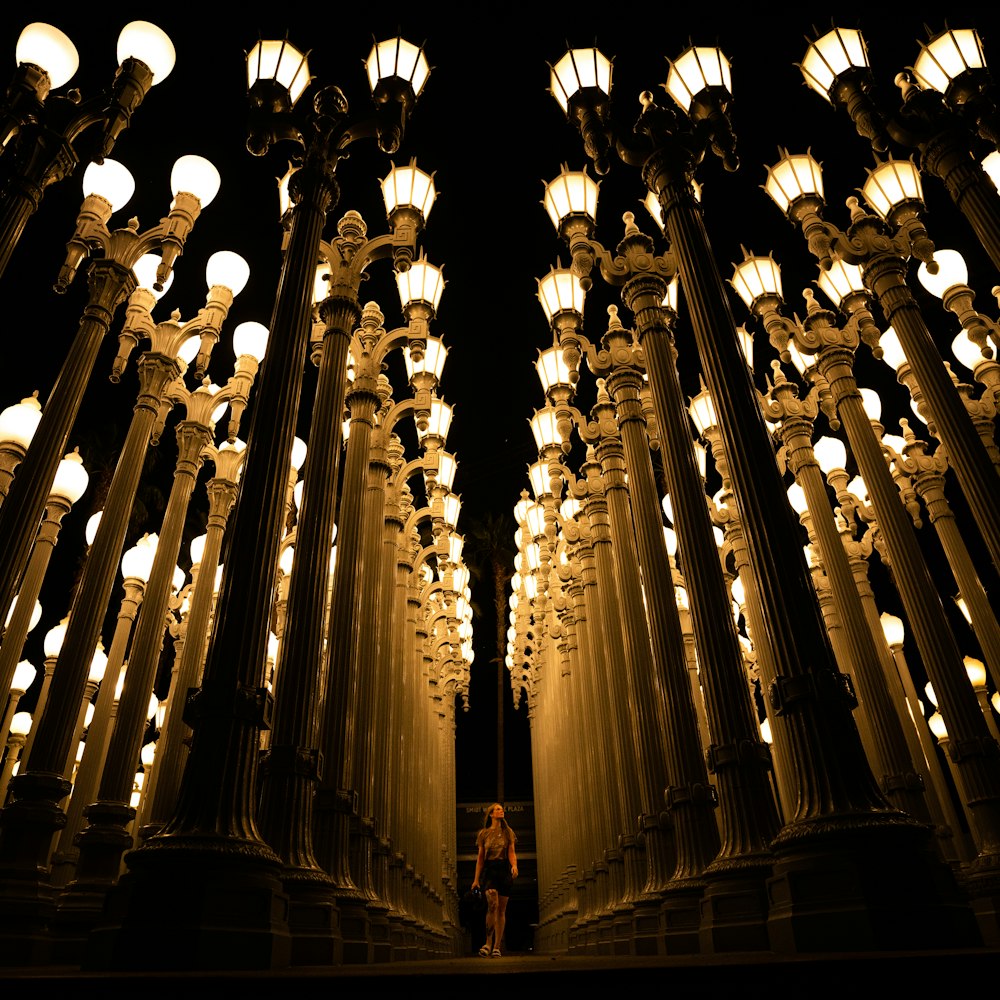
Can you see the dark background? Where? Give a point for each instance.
(487, 127)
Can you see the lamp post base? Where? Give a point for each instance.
(874, 886)
(215, 906)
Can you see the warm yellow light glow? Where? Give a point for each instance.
(952, 271)
(560, 291)
(111, 181)
(694, 70)
(409, 187)
(892, 349)
(545, 428)
(435, 355)
(150, 45)
(19, 422)
(282, 62)
(702, 411)
(794, 177)
(397, 57)
(552, 368)
(830, 453)
(841, 280)
(892, 184)
(832, 55)
(893, 629)
(250, 340)
(423, 282)
(573, 192)
(577, 70)
(946, 56)
(71, 479)
(46, 46)
(756, 277)
(195, 175)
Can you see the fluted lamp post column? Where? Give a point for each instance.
(111, 279)
(39, 128)
(194, 881)
(69, 485)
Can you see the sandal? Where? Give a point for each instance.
(496, 952)
(485, 951)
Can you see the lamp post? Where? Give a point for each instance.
(42, 134)
(842, 828)
(946, 102)
(211, 849)
(111, 278)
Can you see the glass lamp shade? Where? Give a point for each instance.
(892, 184)
(936, 725)
(93, 522)
(968, 353)
(460, 580)
(298, 453)
(144, 270)
(830, 453)
(147, 754)
(840, 281)
(701, 457)
(24, 677)
(286, 559)
(832, 55)
(535, 518)
(137, 563)
(250, 339)
(228, 269)
(538, 476)
(409, 187)
(946, 57)
(569, 508)
(673, 293)
(150, 45)
(53, 640)
(281, 62)
(858, 488)
(530, 586)
(456, 543)
(552, 368)
(991, 164)
(20, 724)
(71, 479)
(895, 442)
(670, 538)
(397, 57)
(559, 291)
(188, 350)
(452, 508)
(872, 403)
(756, 277)
(111, 181)
(297, 490)
(794, 177)
(197, 549)
(951, 271)
(19, 422)
(435, 355)
(579, 69)
(99, 663)
(195, 175)
(178, 579)
(447, 466)
(667, 507)
(321, 283)
(893, 629)
(797, 498)
(801, 362)
(220, 411)
(47, 47)
(439, 421)
(571, 193)
(545, 428)
(702, 411)
(696, 69)
(892, 349)
(738, 591)
(423, 282)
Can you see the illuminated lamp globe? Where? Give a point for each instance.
(892, 349)
(794, 176)
(98, 662)
(250, 340)
(53, 640)
(399, 58)
(409, 187)
(197, 549)
(299, 450)
(892, 626)
(976, 670)
(946, 57)
(422, 282)
(892, 184)
(137, 562)
(579, 69)
(968, 353)
(24, 677)
(572, 193)
(560, 291)
(19, 422)
(111, 181)
(228, 269)
(197, 176)
(952, 271)
(694, 71)
(830, 453)
(755, 278)
(145, 274)
(831, 56)
(872, 403)
(20, 724)
(991, 164)
(797, 499)
(150, 45)
(281, 62)
(188, 350)
(45, 46)
(841, 280)
(71, 478)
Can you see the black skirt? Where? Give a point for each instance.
(496, 875)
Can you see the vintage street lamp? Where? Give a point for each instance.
(44, 135)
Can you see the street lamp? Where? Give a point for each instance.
(43, 134)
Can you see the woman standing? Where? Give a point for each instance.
(496, 866)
